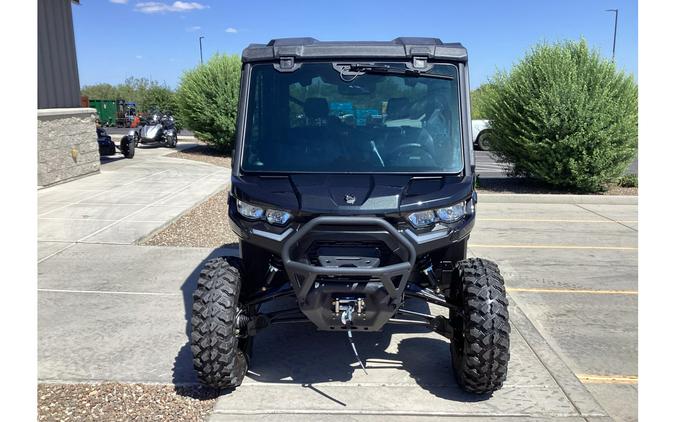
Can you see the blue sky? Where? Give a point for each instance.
(159, 39)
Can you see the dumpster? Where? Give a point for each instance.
(106, 110)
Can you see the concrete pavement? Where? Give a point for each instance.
(109, 309)
(126, 201)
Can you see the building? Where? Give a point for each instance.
(67, 146)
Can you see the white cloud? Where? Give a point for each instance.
(193, 28)
(119, 1)
(231, 30)
(177, 6)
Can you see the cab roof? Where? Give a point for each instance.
(399, 48)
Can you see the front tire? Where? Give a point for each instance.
(480, 344)
(219, 357)
(128, 147)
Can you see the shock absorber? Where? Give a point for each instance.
(427, 268)
(273, 268)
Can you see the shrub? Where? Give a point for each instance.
(628, 181)
(565, 116)
(479, 98)
(207, 100)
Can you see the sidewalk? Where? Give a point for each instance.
(128, 200)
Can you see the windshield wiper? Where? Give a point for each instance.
(367, 68)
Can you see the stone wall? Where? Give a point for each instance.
(67, 145)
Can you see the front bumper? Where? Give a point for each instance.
(321, 288)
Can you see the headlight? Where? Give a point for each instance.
(277, 217)
(449, 214)
(422, 218)
(250, 211)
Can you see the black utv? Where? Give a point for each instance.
(352, 192)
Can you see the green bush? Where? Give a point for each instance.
(479, 97)
(565, 116)
(207, 100)
(628, 181)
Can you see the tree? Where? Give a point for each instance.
(566, 116)
(100, 91)
(207, 100)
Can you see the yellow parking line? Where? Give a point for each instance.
(585, 291)
(543, 220)
(607, 379)
(609, 248)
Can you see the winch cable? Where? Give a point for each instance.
(346, 319)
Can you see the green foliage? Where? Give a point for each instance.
(628, 181)
(207, 100)
(100, 92)
(565, 116)
(147, 94)
(479, 97)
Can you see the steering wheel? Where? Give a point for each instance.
(410, 149)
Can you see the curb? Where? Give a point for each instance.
(576, 392)
(508, 198)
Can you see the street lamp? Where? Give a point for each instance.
(201, 56)
(616, 18)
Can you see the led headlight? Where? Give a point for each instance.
(250, 211)
(451, 214)
(277, 217)
(422, 218)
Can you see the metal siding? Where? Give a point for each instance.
(58, 79)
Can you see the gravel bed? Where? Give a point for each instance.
(123, 402)
(204, 226)
(205, 154)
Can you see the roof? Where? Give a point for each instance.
(310, 48)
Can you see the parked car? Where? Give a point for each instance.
(481, 134)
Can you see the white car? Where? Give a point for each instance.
(481, 134)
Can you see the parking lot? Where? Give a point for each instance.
(487, 166)
(109, 309)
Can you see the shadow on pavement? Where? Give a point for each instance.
(299, 354)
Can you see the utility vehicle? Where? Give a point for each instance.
(352, 192)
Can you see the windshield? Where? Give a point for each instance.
(319, 119)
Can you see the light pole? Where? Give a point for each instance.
(616, 18)
(201, 56)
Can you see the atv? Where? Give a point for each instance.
(352, 218)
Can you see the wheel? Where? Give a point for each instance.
(483, 140)
(173, 141)
(480, 343)
(219, 357)
(128, 147)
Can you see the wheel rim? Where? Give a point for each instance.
(484, 142)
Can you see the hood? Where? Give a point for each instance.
(352, 194)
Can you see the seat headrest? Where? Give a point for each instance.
(316, 108)
(397, 108)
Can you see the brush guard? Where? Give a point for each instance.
(380, 289)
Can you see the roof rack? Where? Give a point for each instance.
(399, 48)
